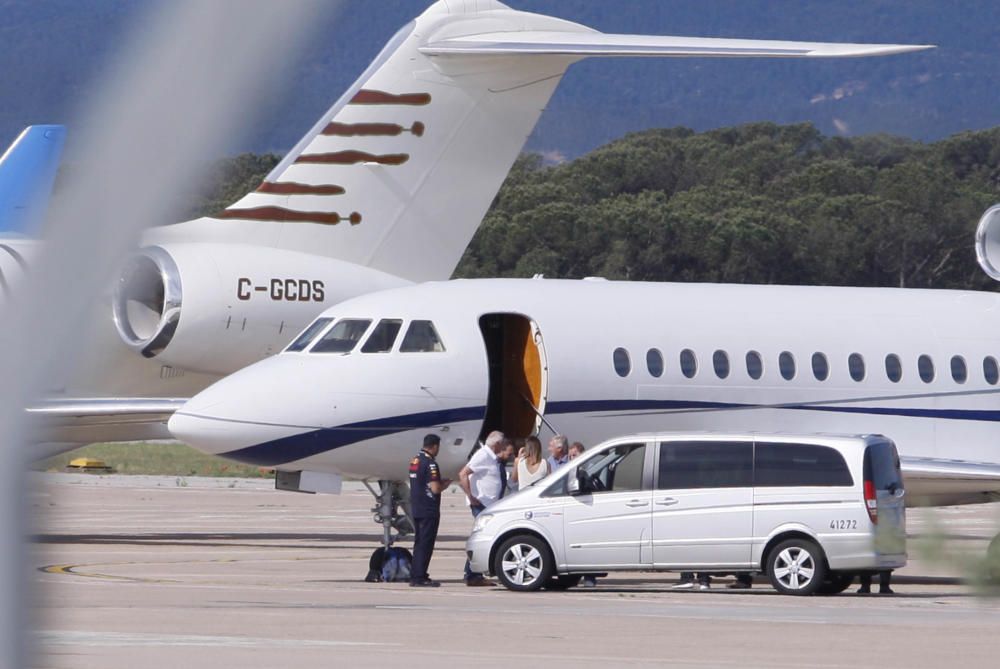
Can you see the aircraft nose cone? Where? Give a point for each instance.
(204, 433)
(252, 407)
(219, 421)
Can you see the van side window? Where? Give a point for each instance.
(799, 465)
(705, 464)
(617, 469)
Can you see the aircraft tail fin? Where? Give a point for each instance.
(398, 174)
(27, 172)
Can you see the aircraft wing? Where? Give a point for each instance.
(932, 481)
(600, 44)
(62, 425)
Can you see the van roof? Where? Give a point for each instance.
(810, 437)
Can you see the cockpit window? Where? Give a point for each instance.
(421, 337)
(304, 339)
(342, 337)
(383, 336)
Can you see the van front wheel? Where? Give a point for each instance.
(523, 563)
(796, 567)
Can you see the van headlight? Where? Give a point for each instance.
(482, 521)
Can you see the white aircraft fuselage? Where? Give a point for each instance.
(362, 415)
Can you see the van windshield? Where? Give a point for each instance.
(882, 467)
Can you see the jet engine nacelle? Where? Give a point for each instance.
(988, 242)
(216, 308)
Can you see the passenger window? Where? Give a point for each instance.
(304, 339)
(342, 337)
(925, 366)
(654, 363)
(893, 368)
(755, 365)
(618, 469)
(705, 464)
(689, 363)
(623, 366)
(821, 367)
(799, 465)
(421, 337)
(856, 366)
(786, 365)
(959, 372)
(383, 336)
(720, 360)
(990, 370)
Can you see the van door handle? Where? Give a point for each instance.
(636, 502)
(669, 501)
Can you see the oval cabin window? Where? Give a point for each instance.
(623, 365)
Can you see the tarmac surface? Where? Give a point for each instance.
(172, 572)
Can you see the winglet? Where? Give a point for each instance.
(27, 172)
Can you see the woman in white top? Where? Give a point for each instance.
(530, 465)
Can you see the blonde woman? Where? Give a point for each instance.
(530, 466)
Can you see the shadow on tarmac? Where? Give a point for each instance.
(237, 539)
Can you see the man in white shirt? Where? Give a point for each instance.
(483, 483)
(558, 452)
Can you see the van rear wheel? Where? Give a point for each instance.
(523, 563)
(796, 567)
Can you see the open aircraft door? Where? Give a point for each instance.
(517, 374)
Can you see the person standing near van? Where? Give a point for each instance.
(558, 452)
(426, 486)
(883, 583)
(482, 479)
(530, 466)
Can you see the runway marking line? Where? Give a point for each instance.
(73, 570)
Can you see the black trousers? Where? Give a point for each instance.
(423, 546)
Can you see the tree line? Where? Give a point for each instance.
(757, 203)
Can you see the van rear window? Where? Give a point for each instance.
(799, 465)
(882, 467)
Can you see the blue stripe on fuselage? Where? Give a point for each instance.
(308, 444)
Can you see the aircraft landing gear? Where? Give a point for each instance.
(392, 512)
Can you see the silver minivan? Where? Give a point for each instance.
(809, 511)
